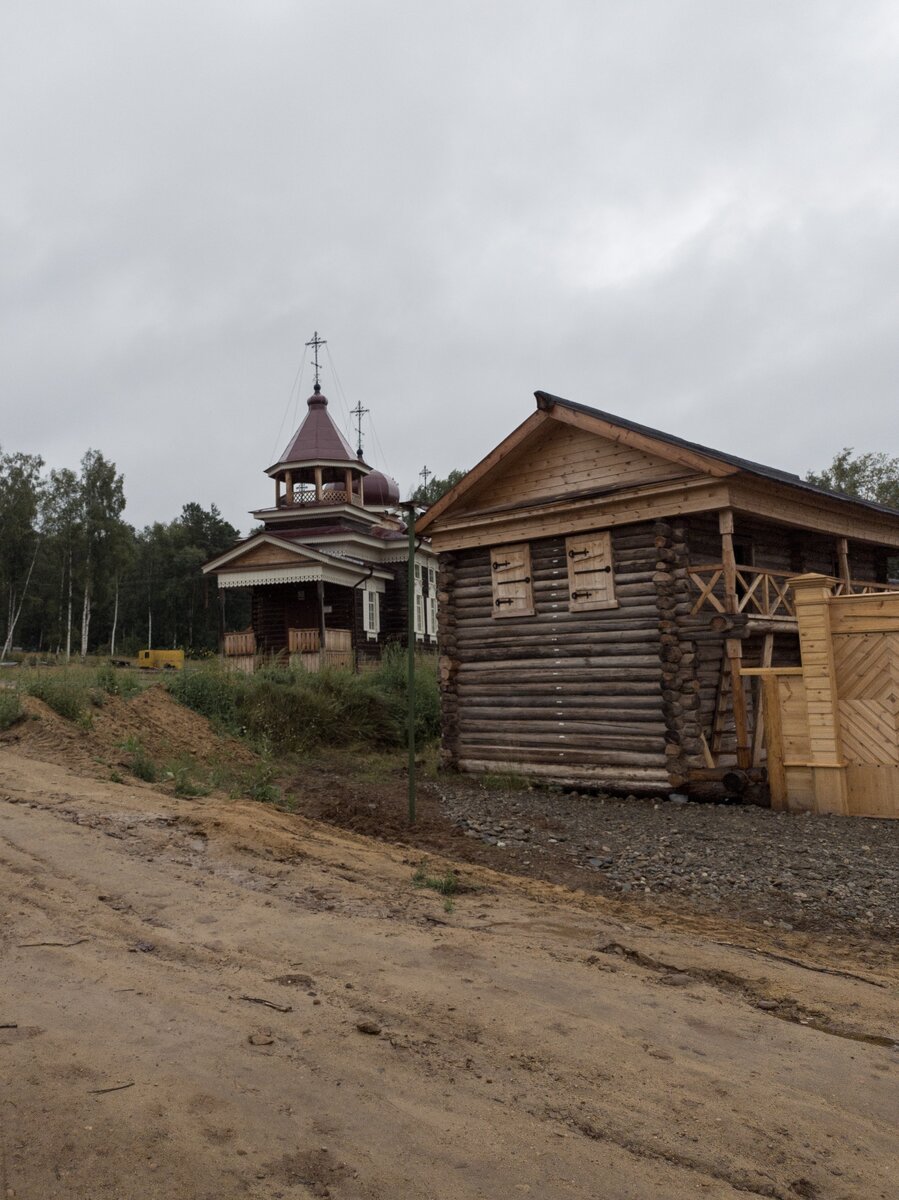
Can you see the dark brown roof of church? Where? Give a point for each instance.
(318, 438)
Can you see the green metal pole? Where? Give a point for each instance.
(410, 686)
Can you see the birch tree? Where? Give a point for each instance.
(21, 494)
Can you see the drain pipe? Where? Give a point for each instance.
(357, 584)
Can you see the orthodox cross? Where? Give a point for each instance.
(315, 343)
(424, 475)
(358, 412)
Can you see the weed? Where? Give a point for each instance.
(446, 884)
(141, 765)
(505, 783)
(260, 785)
(65, 692)
(179, 774)
(10, 708)
(115, 681)
(116, 776)
(448, 905)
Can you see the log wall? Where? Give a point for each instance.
(576, 697)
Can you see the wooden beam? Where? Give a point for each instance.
(733, 648)
(758, 732)
(288, 484)
(318, 483)
(777, 774)
(729, 562)
(537, 521)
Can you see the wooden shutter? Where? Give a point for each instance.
(513, 588)
(591, 582)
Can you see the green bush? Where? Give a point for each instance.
(67, 693)
(290, 709)
(115, 681)
(10, 707)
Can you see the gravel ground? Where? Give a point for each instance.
(799, 871)
(785, 871)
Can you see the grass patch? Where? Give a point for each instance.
(66, 692)
(506, 783)
(116, 681)
(446, 884)
(180, 774)
(10, 708)
(292, 710)
(140, 764)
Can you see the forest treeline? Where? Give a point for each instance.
(76, 578)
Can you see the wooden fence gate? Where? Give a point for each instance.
(832, 725)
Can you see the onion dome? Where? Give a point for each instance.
(380, 489)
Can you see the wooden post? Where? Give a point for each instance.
(758, 732)
(843, 560)
(777, 774)
(277, 492)
(812, 596)
(322, 627)
(288, 483)
(733, 647)
(729, 563)
(348, 483)
(318, 484)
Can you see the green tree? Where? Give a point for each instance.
(429, 493)
(102, 504)
(21, 500)
(871, 476)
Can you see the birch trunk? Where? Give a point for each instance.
(115, 619)
(15, 613)
(85, 618)
(69, 614)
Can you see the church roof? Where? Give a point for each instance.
(318, 439)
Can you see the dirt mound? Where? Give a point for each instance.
(166, 731)
(164, 728)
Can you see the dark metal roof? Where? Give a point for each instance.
(318, 439)
(546, 400)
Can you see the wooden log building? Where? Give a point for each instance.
(328, 569)
(603, 583)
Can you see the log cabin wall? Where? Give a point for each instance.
(571, 696)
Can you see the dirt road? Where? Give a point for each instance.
(529, 1042)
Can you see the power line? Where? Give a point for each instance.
(294, 395)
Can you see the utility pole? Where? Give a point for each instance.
(409, 508)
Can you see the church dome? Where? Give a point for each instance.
(380, 489)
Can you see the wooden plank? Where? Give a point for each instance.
(758, 732)
(777, 779)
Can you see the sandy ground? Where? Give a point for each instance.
(531, 1041)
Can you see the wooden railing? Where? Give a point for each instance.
(306, 497)
(761, 592)
(240, 643)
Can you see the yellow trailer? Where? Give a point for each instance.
(165, 660)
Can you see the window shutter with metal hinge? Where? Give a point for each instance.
(591, 581)
(513, 588)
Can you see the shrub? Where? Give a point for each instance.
(115, 681)
(140, 765)
(295, 710)
(10, 707)
(67, 693)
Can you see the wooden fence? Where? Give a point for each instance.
(832, 725)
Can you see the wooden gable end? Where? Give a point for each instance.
(561, 460)
(264, 554)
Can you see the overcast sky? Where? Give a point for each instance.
(686, 213)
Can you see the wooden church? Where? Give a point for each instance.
(328, 569)
(601, 586)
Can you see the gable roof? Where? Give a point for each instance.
(701, 458)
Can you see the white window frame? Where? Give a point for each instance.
(371, 613)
